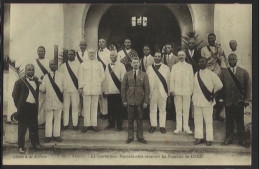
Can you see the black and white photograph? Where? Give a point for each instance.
(131, 84)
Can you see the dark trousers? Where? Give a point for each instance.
(235, 114)
(138, 112)
(115, 113)
(28, 118)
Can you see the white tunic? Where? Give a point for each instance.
(182, 79)
(155, 82)
(91, 75)
(68, 83)
(38, 72)
(211, 81)
(119, 70)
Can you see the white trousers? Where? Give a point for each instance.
(90, 104)
(52, 124)
(103, 105)
(160, 102)
(205, 113)
(41, 111)
(71, 98)
(182, 106)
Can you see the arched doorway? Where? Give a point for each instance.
(162, 26)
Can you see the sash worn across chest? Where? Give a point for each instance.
(100, 60)
(29, 86)
(44, 71)
(56, 88)
(236, 82)
(114, 77)
(162, 79)
(79, 58)
(208, 95)
(72, 75)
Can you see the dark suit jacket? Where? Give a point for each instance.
(135, 93)
(230, 93)
(20, 94)
(195, 58)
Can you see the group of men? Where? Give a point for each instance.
(120, 79)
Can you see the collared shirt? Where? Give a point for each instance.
(233, 69)
(135, 71)
(191, 52)
(30, 98)
(68, 83)
(104, 55)
(211, 81)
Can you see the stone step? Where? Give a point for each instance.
(170, 124)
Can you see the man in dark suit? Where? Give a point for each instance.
(193, 55)
(135, 96)
(236, 95)
(25, 95)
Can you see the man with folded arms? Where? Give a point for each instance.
(135, 96)
(182, 88)
(159, 79)
(25, 95)
(71, 94)
(206, 84)
(91, 76)
(114, 74)
(236, 95)
(52, 85)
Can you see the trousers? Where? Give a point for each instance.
(205, 113)
(182, 106)
(52, 125)
(115, 113)
(235, 114)
(41, 112)
(103, 105)
(138, 112)
(157, 101)
(90, 104)
(71, 98)
(28, 119)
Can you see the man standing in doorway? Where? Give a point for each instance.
(169, 58)
(127, 54)
(135, 96)
(192, 55)
(159, 80)
(147, 60)
(103, 56)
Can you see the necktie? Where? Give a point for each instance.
(82, 54)
(233, 69)
(135, 75)
(54, 76)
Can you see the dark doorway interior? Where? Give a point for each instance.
(162, 27)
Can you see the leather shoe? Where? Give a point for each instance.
(65, 127)
(75, 127)
(58, 139)
(22, 150)
(163, 130)
(208, 143)
(227, 142)
(37, 147)
(244, 144)
(198, 141)
(47, 139)
(152, 129)
(109, 127)
(129, 141)
(142, 140)
(94, 129)
(84, 129)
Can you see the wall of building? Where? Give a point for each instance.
(234, 22)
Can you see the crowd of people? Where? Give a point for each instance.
(194, 80)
